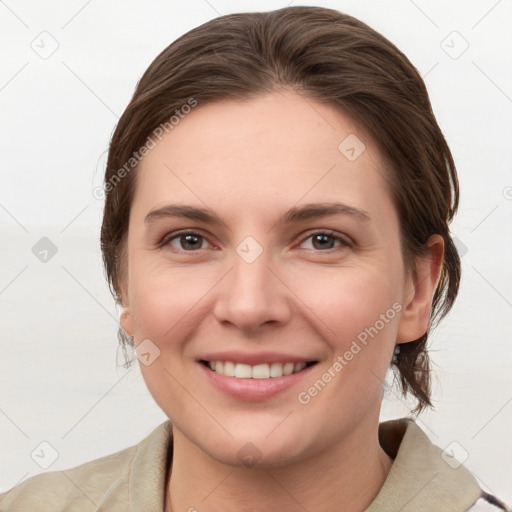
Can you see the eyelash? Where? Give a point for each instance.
(172, 236)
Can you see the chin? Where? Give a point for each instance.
(258, 446)
(258, 455)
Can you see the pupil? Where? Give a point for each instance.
(189, 240)
(322, 239)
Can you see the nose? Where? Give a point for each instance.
(252, 295)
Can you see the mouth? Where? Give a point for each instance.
(259, 371)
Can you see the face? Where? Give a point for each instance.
(261, 242)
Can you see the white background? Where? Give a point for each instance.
(59, 381)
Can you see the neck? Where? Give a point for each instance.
(347, 476)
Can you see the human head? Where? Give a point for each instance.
(328, 57)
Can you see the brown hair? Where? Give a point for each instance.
(332, 58)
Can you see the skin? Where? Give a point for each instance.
(249, 162)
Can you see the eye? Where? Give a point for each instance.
(191, 241)
(325, 240)
(186, 241)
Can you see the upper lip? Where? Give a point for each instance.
(254, 359)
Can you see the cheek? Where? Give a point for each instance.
(166, 306)
(339, 302)
(359, 312)
(346, 301)
(163, 302)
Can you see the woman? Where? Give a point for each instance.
(276, 229)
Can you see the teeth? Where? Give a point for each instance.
(288, 368)
(299, 367)
(229, 369)
(276, 370)
(242, 371)
(259, 371)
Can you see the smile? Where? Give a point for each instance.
(258, 371)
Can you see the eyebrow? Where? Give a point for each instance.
(294, 214)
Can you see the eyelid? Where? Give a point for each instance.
(165, 240)
(343, 239)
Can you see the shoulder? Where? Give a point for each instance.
(81, 485)
(101, 482)
(423, 476)
(488, 503)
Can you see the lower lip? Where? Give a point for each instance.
(254, 389)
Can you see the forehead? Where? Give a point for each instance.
(280, 148)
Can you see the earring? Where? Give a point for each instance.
(396, 355)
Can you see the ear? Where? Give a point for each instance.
(126, 318)
(419, 292)
(126, 321)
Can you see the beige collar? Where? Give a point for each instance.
(420, 479)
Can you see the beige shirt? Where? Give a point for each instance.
(421, 478)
